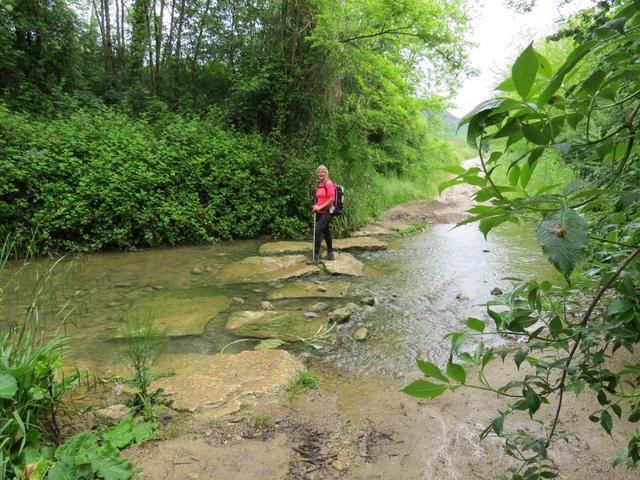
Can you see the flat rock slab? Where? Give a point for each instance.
(179, 314)
(344, 264)
(223, 382)
(288, 326)
(337, 289)
(358, 244)
(267, 269)
(342, 244)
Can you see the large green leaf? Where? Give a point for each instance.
(8, 386)
(563, 236)
(431, 370)
(424, 389)
(524, 71)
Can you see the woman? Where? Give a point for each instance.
(325, 197)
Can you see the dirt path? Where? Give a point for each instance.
(365, 428)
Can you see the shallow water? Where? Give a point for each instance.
(415, 283)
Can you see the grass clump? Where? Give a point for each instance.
(261, 422)
(305, 380)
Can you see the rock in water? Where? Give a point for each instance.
(196, 270)
(301, 289)
(266, 305)
(319, 307)
(462, 296)
(310, 314)
(368, 301)
(342, 244)
(344, 264)
(497, 291)
(361, 334)
(266, 269)
(353, 307)
(237, 301)
(340, 315)
(288, 326)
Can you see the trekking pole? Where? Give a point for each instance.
(313, 240)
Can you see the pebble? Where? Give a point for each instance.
(208, 269)
(196, 270)
(266, 305)
(157, 287)
(462, 296)
(311, 314)
(319, 307)
(361, 334)
(257, 290)
(340, 315)
(352, 307)
(368, 301)
(485, 251)
(321, 288)
(237, 301)
(496, 291)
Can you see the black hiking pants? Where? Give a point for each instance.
(322, 228)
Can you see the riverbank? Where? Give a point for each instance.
(360, 426)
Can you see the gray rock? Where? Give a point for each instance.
(266, 305)
(237, 301)
(340, 315)
(311, 314)
(319, 307)
(361, 334)
(368, 301)
(496, 291)
(353, 307)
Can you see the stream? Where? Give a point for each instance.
(425, 285)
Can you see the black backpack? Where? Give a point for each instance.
(338, 204)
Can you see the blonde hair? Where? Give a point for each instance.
(323, 167)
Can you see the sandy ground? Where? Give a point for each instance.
(365, 428)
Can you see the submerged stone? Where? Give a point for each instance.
(287, 326)
(368, 301)
(340, 315)
(266, 269)
(220, 384)
(342, 244)
(179, 314)
(344, 264)
(266, 305)
(337, 289)
(361, 334)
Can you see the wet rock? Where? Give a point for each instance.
(266, 305)
(266, 269)
(343, 244)
(360, 334)
(462, 296)
(179, 314)
(237, 301)
(220, 384)
(485, 251)
(339, 315)
(359, 244)
(368, 301)
(301, 289)
(353, 307)
(113, 413)
(196, 270)
(496, 291)
(288, 326)
(310, 314)
(344, 264)
(319, 307)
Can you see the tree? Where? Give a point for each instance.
(587, 109)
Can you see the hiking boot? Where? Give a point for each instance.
(329, 256)
(312, 261)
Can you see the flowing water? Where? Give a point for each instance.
(425, 285)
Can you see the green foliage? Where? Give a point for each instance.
(583, 111)
(144, 344)
(304, 380)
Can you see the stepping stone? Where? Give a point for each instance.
(266, 269)
(288, 326)
(341, 244)
(300, 289)
(344, 264)
(179, 314)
